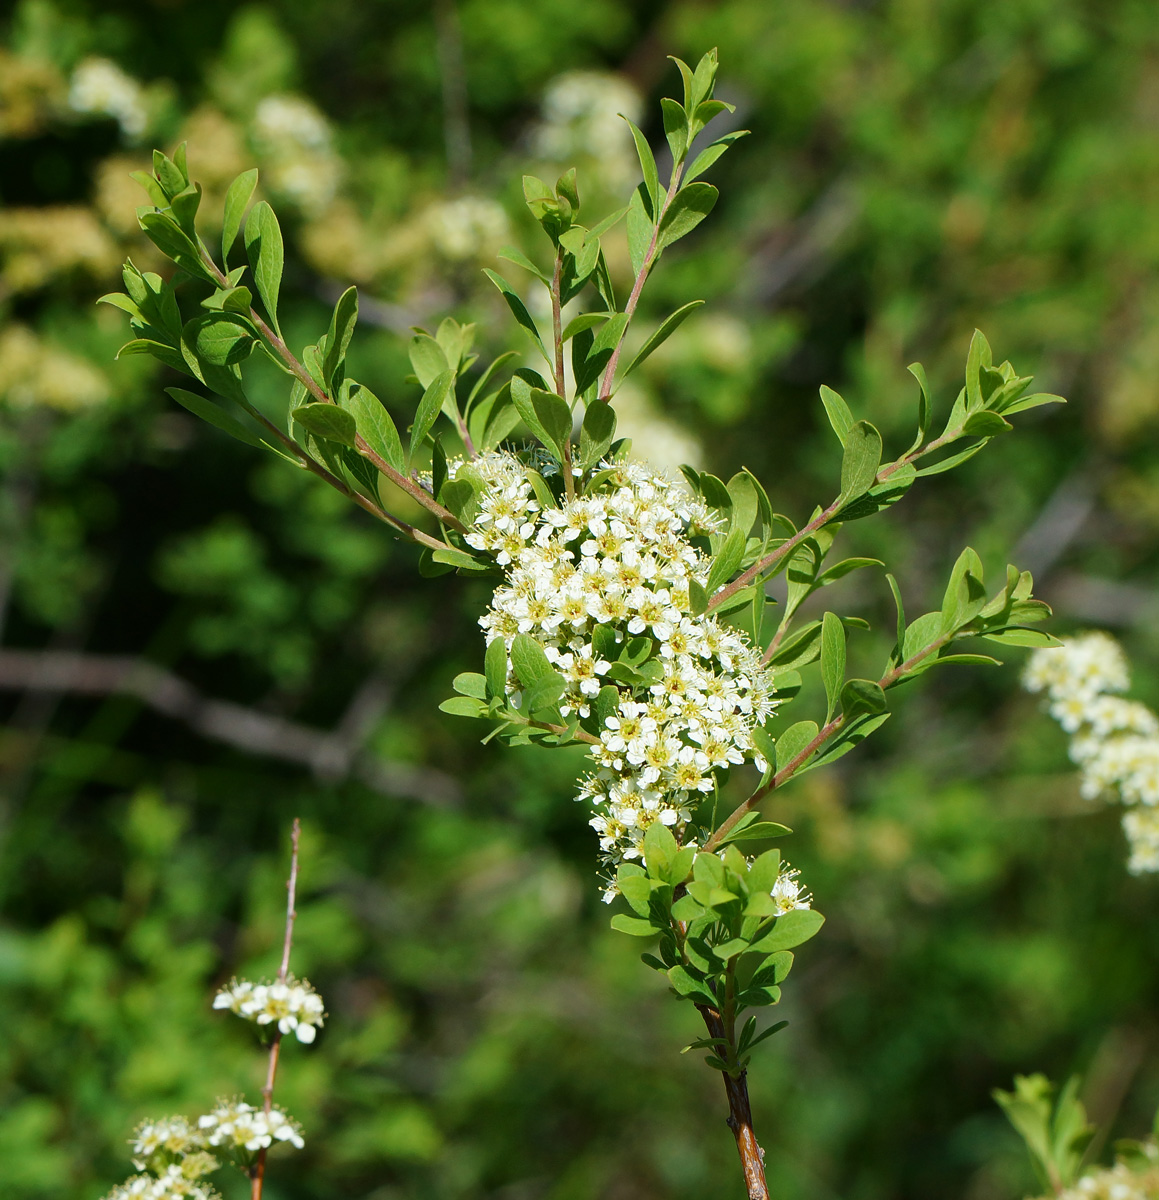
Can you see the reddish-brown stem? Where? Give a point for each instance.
(774, 556)
(823, 735)
(638, 284)
(557, 340)
(258, 1170)
(823, 518)
(740, 1115)
(308, 381)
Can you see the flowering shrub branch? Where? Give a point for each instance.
(630, 609)
(175, 1154)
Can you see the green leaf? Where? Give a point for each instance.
(463, 706)
(1032, 402)
(648, 167)
(521, 260)
(375, 426)
(518, 310)
(263, 244)
(427, 358)
(666, 330)
(171, 240)
(327, 421)
(862, 696)
(220, 340)
(214, 415)
(529, 660)
(757, 831)
(791, 930)
(637, 890)
(583, 321)
(236, 201)
(893, 587)
(159, 350)
(171, 178)
(860, 461)
(1014, 635)
(600, 351)
(832, 659)
(675, 127)
(633, 926)
(597, 433)
(429, 408)
(954, 460)
(555, 420)
(690, 206)
(470, 683)
(495, 668)
(726, 560)
(925, 404)
(338, 336)
(838, 412)
(978, 357)
(921, 634)
(711, 153)
(985, 424)
(231, 299)
(688, 986)
(793, 741)
(660, 848)
(640, 228)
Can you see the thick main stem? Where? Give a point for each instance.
(258, 1170)
(740, 1116)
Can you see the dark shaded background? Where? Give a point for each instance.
(917, 168)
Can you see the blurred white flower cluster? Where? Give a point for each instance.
(176, 1153)
(467, 227)
(603, 584)
(582, 116)
(100, 87)
(293, 1004)
(171, 1184)
(1114, 741)
(298, 157)
(1115, 1183)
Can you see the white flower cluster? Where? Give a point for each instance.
(235, 1125)
(622, 558)
(171, 1137)
(1114, 741)
(171, 1184)
(581, 115)
(1115, 1183)
(176, 1153)
(100, 86)
(294, 139)
(293, 1004)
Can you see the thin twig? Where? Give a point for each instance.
(798, 760)
(329, 754)
(299, 371)
(258, 1170)
(650, 256)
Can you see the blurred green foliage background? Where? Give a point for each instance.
(199, 644)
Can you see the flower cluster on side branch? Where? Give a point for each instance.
(1115, 741)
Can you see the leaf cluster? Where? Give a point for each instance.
(724, 943)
